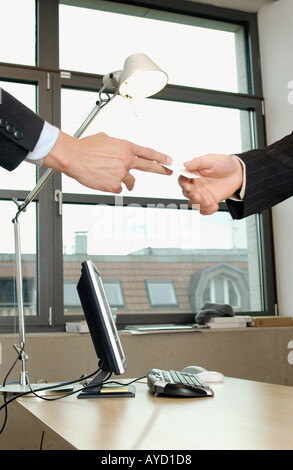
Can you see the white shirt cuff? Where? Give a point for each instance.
(240, 196)
(44, 145)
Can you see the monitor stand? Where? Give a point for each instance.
(96, 388)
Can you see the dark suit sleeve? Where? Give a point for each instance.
(20, 129)
(269, 178)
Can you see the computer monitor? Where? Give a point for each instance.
(102, 328)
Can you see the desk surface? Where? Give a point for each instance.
(242, 415)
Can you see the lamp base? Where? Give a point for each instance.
(43, 389)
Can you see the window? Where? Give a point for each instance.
(159, 259)
(7, 294)
(161, 293)
(114, 293)
(224, 284)
(198, 129)
(71, 298)
(211, 60)
(23, 25)
(8, 301)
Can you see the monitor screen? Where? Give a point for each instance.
(100, 321)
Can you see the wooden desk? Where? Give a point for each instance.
(242, 415)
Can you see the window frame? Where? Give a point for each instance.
(49, 80)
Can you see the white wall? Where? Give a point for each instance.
(276, 49)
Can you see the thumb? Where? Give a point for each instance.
(197, 163)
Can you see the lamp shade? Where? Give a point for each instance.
(141, 77)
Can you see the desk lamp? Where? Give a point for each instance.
(140, 78)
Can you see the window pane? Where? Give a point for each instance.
(24, 176)
(161, 293)
(192, 51)
(71, 298)
(175, 248)
(182, 130)
(233, 298)
(27, 225)
(114, 293)
(219, 290)
(222, 290)
(18, 32)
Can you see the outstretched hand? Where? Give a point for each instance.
(102, 162)
(220, 177)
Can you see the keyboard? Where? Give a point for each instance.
(175, 383)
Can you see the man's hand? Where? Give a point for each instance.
(102, 162)
(220, 177)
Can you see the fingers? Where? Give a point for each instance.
(129, 181)
(147, 159)
(209, 208)
(205, 206)
(198, 195)
(150, 154)
(146, 165)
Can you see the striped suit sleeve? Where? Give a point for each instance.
(269, 178)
